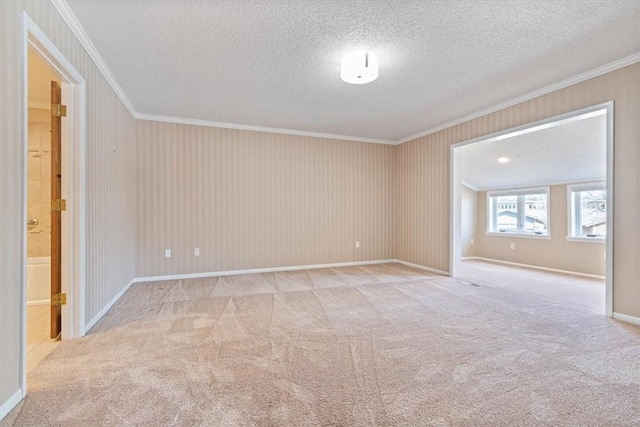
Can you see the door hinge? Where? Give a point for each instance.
(58, 205)
(58, 299)
(58, 110)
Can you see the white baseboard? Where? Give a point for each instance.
(39, 302)
(627, 318)
(258, 270)
(115, 299)
(11, 403)
(106, 308)
(422, 267)
(536, 267)
(102, 312)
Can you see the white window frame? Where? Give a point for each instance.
(573, 211)
(520, 193)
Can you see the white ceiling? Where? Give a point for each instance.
(276, 63)
(572, 151)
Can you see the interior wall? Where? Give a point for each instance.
(468, 219)
(423, 176)
(422, 198)
(40, 76)
(556, 252)
(256, 200)
(110, 196)
(264, 200)
(39, 183)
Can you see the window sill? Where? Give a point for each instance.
(519, 235)
(586, 239)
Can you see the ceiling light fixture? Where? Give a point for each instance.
(359, 68)
(503, 159)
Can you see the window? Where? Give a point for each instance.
(588, 210)
(519, 211)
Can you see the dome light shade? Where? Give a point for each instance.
(503, 159)
(359, 68)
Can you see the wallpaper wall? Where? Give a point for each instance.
(110, 172)
(422, 174)
(253, 200)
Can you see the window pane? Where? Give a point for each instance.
(535, 213)
(593, 213)
(506, 213)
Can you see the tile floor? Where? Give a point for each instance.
(39, 345)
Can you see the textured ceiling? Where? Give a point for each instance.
(276, 63)
(569, 152)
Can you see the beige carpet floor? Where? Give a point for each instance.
(359, 346)
(569, 289)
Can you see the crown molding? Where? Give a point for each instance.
(544, 184)
(78, 31)
(237, 126)
(67, 14)
(469, 185)
(612, 66)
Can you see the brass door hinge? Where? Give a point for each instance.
(58, 299)
(58, 110)
(58, 205)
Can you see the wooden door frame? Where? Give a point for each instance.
(73, 187)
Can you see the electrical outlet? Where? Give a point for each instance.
(471, 243)
(196, 252)
(167, 253)
(513, 246)
(357, 244)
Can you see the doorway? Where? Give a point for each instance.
(537, 191)
(43, 226)
(62, 179)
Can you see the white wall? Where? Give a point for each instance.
(556, 252)
(468, 219)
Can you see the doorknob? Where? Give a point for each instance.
(33, 222)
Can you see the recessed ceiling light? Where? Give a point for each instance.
(503, 159)
(359, 67)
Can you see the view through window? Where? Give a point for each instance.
(588, 210)
(524, 211)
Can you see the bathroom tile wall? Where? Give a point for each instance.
(39, 183)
